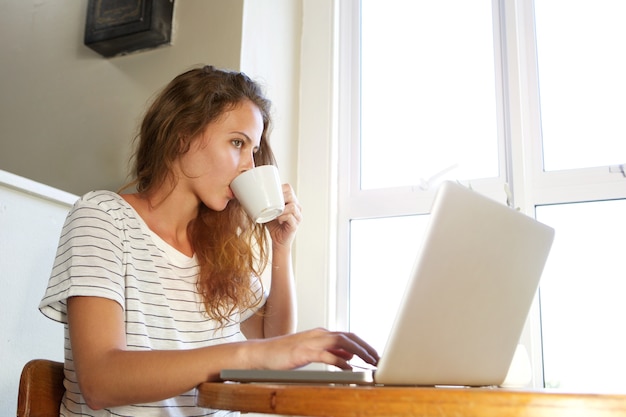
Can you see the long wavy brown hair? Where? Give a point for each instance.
(231, 249)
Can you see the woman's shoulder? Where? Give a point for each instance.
(102, 197)
(105, 201)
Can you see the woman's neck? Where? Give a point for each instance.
(166, 215)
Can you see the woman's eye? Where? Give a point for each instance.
(237, 142)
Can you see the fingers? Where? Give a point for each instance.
(316, 346)
(342, 354)
(350, 344)
(337, 348)
(293, 210)
(283, 228)
(371, 352)
(331, 358)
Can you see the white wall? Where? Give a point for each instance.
(270, 54)
(31, 218)
(317, 177)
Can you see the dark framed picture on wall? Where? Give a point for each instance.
(120, 27)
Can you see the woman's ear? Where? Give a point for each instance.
(184, 144)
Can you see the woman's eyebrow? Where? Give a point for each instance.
(247, 138)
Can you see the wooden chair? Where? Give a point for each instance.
(41, 389)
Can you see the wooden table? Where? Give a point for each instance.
(370, 401)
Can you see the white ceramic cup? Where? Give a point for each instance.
(260, 192)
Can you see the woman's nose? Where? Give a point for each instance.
(248, 162)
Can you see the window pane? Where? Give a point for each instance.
(581, 61)
(382, 252)
(428, 98)
(582, 296)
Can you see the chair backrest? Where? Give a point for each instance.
(41, 389)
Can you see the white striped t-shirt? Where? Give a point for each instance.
(106, 250)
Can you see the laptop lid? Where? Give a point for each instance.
(466, 301)
(469, 293)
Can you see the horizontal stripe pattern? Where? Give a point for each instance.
(106, 250)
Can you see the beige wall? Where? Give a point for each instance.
(68, 115)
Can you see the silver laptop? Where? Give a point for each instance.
(465, 304)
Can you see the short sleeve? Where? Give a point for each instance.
(88, 262)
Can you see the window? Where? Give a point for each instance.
(582, 296)
(424, 112)
(489, 93)
(582, 82)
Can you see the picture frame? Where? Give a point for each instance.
(120, 27)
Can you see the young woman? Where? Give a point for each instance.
(159, 288)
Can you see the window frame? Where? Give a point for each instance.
(521, 159)
(357, 203)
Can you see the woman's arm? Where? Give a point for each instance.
(280, 307)
(110, 375)
(278, 316)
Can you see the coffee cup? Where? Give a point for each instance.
(260, 192)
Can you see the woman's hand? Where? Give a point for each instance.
(283, 228)
(317, 345)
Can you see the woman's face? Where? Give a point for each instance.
(222, 151)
